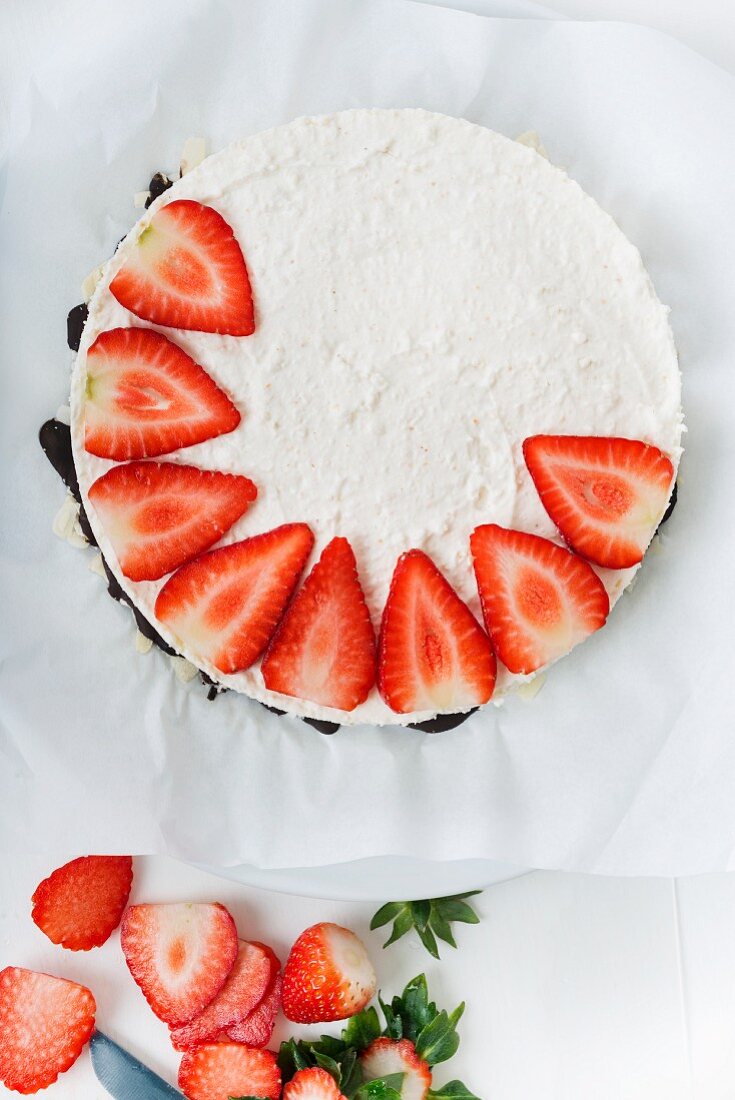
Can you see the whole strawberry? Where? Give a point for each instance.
(328, 976)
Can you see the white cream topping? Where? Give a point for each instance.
(428, 293)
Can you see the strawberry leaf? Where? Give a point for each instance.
(430, 918)
(362, 1029)
(439, 1040)
(382, 1088)
(453, 1090)
(387, 913)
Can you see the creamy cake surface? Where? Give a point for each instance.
(427, 294)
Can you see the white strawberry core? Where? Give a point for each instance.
(427, 295)
(351, 960)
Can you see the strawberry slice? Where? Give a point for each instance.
(312, 1084)
(606, 495)
(257, 1028)
(433, 655)
(386, 1056)
(80, 904)
(180, 955)
(324, 650)
(159, 515)
(226, 605)
(145, 397)
(218, 1071)
(45, 1023)
(186, 270)
(539, 599)
(328, 976)
(242, 992)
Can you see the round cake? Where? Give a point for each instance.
(415, 298)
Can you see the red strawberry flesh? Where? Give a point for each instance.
(146, 397)
(385, 1057)
(433, 654)
(242, 992)
(226, 605)
(159, 515)
(217, 1071)
(257, 1028)
(80, 904)
(606, 495)
(180, 955)
(312, 1084)
(45, 1023)
(186, 270)
(328, 976)
(324, 649)
(538, 599)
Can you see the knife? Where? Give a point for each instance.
(124, 1077)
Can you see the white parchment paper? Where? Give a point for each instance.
(625, 762)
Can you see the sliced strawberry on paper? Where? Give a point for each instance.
(186, 270)
(256, 1029)
(218, 1071)
(385, 1057)
(539, 599)
(312, 1084)
(606, 495)
(80, 904)
(159, 515)
(45, 1023)
(244, 989)
(328, 976)
(226, 605)
(433, 654)
(146, 397)
(324, 649)
(180, 955)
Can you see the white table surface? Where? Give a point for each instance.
(577, 987)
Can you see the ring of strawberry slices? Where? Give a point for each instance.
(229, 606)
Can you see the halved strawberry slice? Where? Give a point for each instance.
(606, 495)
(257, 1028)
(180, 955)
(218, 1071)
(80, 904)
(226, 605)
(186, 270)
(242, 992)
(433, 654)
(146, 397)
(159, 515)
(324, 650)
(312, 1084)
(328, 976)
(386, 1056)
(44, 1025)
(539, 599)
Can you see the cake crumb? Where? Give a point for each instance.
(530, 689)
(185, 670)
(531, 140)
(66, 524)
(90, 283)
(193, 153)
(96, 565)
(144, 645)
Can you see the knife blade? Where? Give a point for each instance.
(124, 1077)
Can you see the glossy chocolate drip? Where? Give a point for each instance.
(75, 322)
(159, 183)
(442, 722)
(55, 440)
(672, 505)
